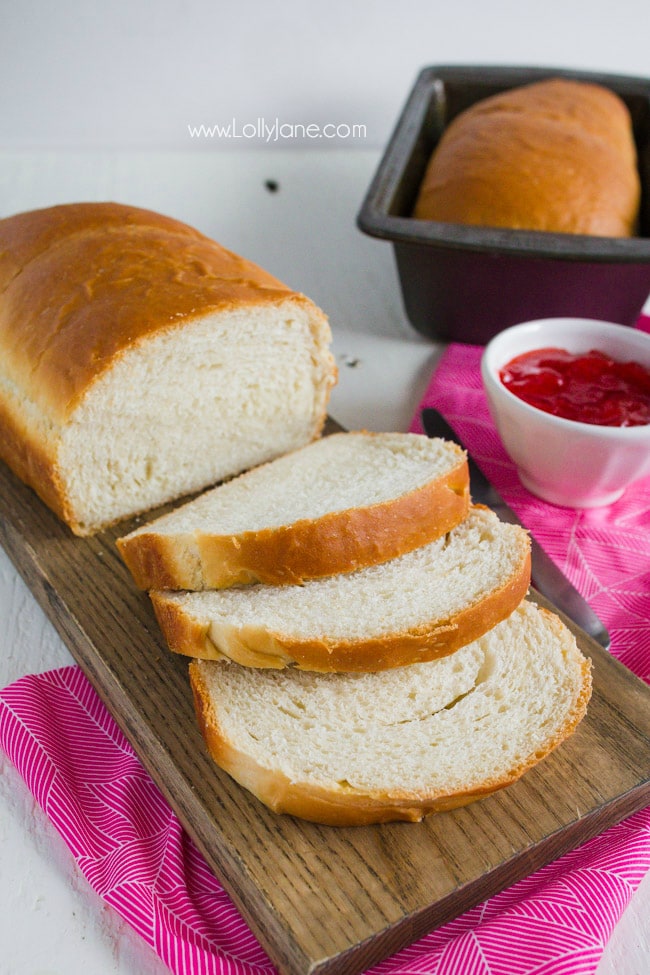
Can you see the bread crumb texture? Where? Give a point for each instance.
(466, 722)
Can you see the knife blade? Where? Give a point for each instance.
(546, 577)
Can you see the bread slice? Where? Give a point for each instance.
(352, 749)
(344, 502)
(423, 605)
(141, 361)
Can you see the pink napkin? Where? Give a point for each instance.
(132, 850)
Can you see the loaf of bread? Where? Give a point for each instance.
(141, 361)
(344, 502)
(557, 155)
(352, 749)
(420, 606)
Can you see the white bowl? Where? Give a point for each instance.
(578, 465)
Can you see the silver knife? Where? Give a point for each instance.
(546, 577)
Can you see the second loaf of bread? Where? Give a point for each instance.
(558, 155)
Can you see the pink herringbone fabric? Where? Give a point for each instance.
(132, 850)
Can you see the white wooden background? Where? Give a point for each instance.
(134, 73)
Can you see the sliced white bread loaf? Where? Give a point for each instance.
(417, 607)
(351, 749)
(341, 503)
(141, 361)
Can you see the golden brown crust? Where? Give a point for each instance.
(346, 806)
(183, 634)
(340, 541)
(81, 283)
(557, 156)
(256, 647)
(32, 461)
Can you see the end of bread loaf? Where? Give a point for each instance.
(342, 503)
(354, 749)
(556, 156)
(142, 361)
(193, 406)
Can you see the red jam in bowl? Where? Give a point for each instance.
(588, 387)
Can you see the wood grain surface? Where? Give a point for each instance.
(322, 899)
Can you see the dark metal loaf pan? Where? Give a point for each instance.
(465, 284)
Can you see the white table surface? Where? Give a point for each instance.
(51, 922)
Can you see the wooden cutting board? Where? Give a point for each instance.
(321, 899)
